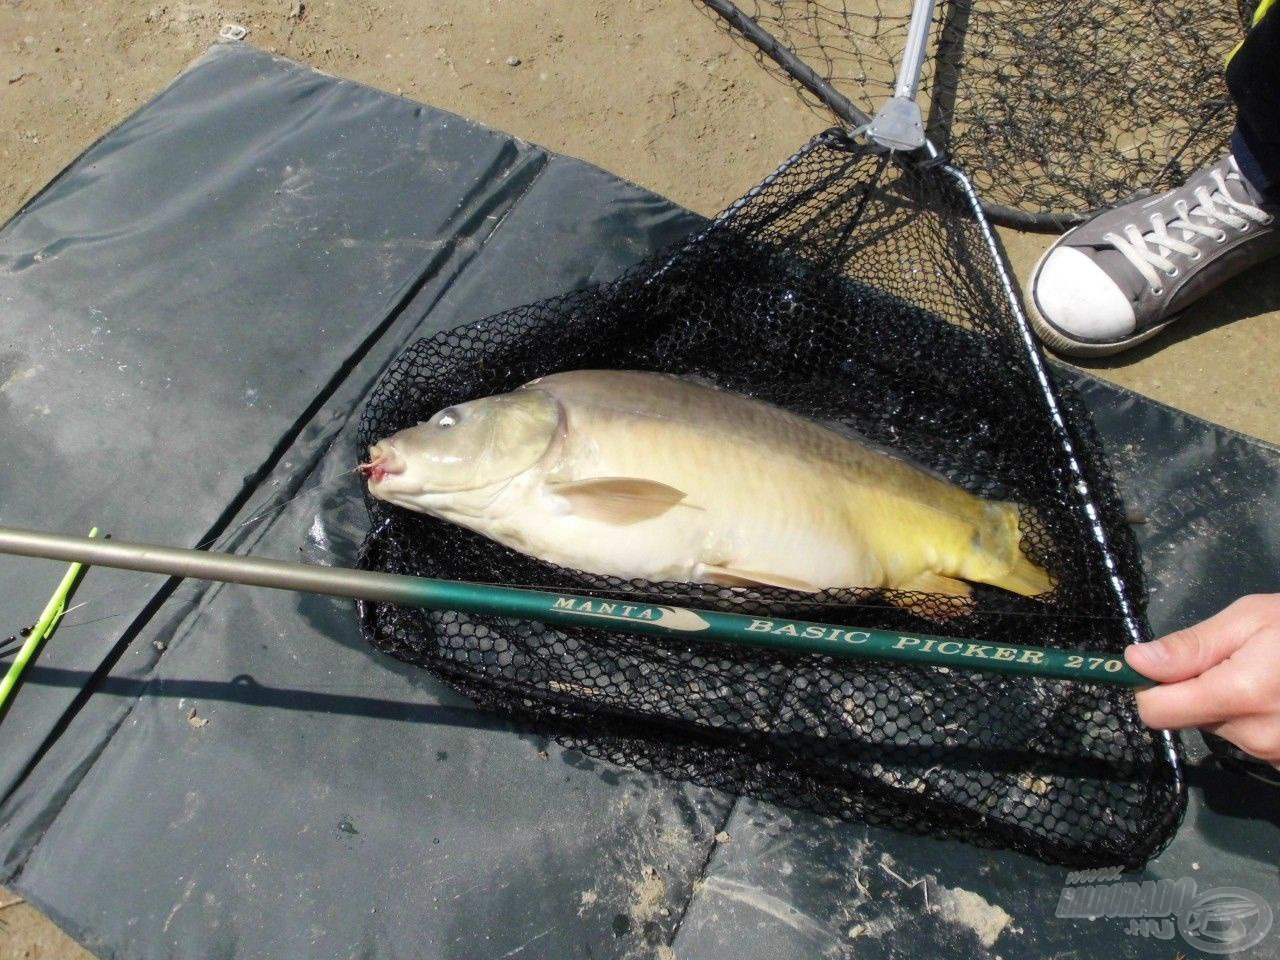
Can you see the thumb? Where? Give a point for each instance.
(1188, 653)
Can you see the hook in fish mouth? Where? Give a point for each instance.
(383, 462)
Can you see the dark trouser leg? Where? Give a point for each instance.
(1253, 75)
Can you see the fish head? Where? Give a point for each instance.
(464, 450)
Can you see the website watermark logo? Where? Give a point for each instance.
(1220, 920)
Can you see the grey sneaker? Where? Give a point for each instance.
(1128, 273)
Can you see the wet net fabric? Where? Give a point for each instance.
(1054, 109)
(852, 290)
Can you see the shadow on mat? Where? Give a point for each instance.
(244, 689)
(612, 744)
(1234, 795)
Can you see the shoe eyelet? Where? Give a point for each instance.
(1156, 291)
(1196, 257)
(1171, 273)
(1269, 221)
(1245, 228)
(1221, 237)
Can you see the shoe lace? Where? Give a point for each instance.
(1150, 251)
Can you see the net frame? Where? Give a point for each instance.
(819, 225)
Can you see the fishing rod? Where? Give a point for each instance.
(573, 610)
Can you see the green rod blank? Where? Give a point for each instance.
(44, 626)
(565, 609)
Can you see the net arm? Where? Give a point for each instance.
(804, 74)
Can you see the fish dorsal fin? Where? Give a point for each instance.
(618, 500)
(733, 577)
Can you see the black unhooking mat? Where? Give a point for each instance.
(192, 316)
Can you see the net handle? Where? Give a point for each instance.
(914, 50)
(855, 119)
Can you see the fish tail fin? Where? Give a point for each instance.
(1000, 542)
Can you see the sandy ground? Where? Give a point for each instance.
(26, 935)
(648, 89)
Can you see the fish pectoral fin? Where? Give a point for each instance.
(936, 583)
(733, 577)
(618, 500)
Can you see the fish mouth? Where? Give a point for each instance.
(384, 461)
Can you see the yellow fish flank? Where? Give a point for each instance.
(645, 475)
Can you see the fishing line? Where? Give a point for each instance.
(305, 491)
(191, 587)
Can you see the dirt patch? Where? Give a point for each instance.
(26, 934)
(968, 909)
(650, 90)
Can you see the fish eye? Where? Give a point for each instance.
(447, 418)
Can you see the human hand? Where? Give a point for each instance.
(1222, 675)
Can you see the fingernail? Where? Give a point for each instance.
(1153, 651)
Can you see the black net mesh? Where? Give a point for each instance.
(1052, 108)
(855, 291)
